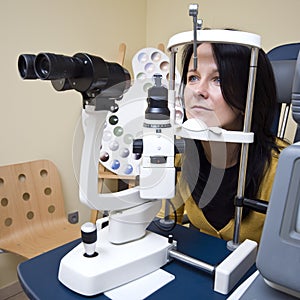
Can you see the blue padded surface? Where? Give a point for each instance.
(285, 52)
(38, 276)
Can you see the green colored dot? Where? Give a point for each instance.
(118, 131)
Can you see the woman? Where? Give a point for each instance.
(216, 93)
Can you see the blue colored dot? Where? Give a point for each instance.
(115, 164)
(128, 169)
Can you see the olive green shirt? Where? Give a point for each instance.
(251, 225)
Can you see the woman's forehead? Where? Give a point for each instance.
(204, 54)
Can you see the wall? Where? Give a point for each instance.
(276, 21)
(36, 122)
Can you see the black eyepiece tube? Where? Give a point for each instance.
(85, 73)
(26, 66)
(49, 66)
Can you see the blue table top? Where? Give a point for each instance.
(38, 276)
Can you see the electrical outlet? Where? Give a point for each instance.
(73, 217)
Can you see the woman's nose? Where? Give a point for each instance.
(201, 89)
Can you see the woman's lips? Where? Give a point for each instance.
(200, 108)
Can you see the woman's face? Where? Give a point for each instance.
(202, 95)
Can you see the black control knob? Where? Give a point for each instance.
(89, 239)
(137, 146)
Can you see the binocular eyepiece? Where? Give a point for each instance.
(82, 72)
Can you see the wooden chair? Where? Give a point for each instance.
(32, 213)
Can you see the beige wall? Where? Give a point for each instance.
(276, 21)
(38, 122)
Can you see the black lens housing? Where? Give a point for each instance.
(157, 108)
(85, 73)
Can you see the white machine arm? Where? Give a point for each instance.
(129, 213)
(93, 122)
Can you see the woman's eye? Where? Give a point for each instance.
(192, 78)
(217, 80)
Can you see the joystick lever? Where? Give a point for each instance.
(89, 239)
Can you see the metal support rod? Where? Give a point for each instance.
(167, 209)
(195, 44)
(284, 121)
(193, 11)
(172, 78)
(172, 68)
(166, 220)
(192, 262)
(245, 146)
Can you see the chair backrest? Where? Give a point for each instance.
(296, 99)
(283, 59)
(282, 225)
(30, 195)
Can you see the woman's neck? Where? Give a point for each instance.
(221, 155)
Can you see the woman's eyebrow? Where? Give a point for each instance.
(215, 70)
